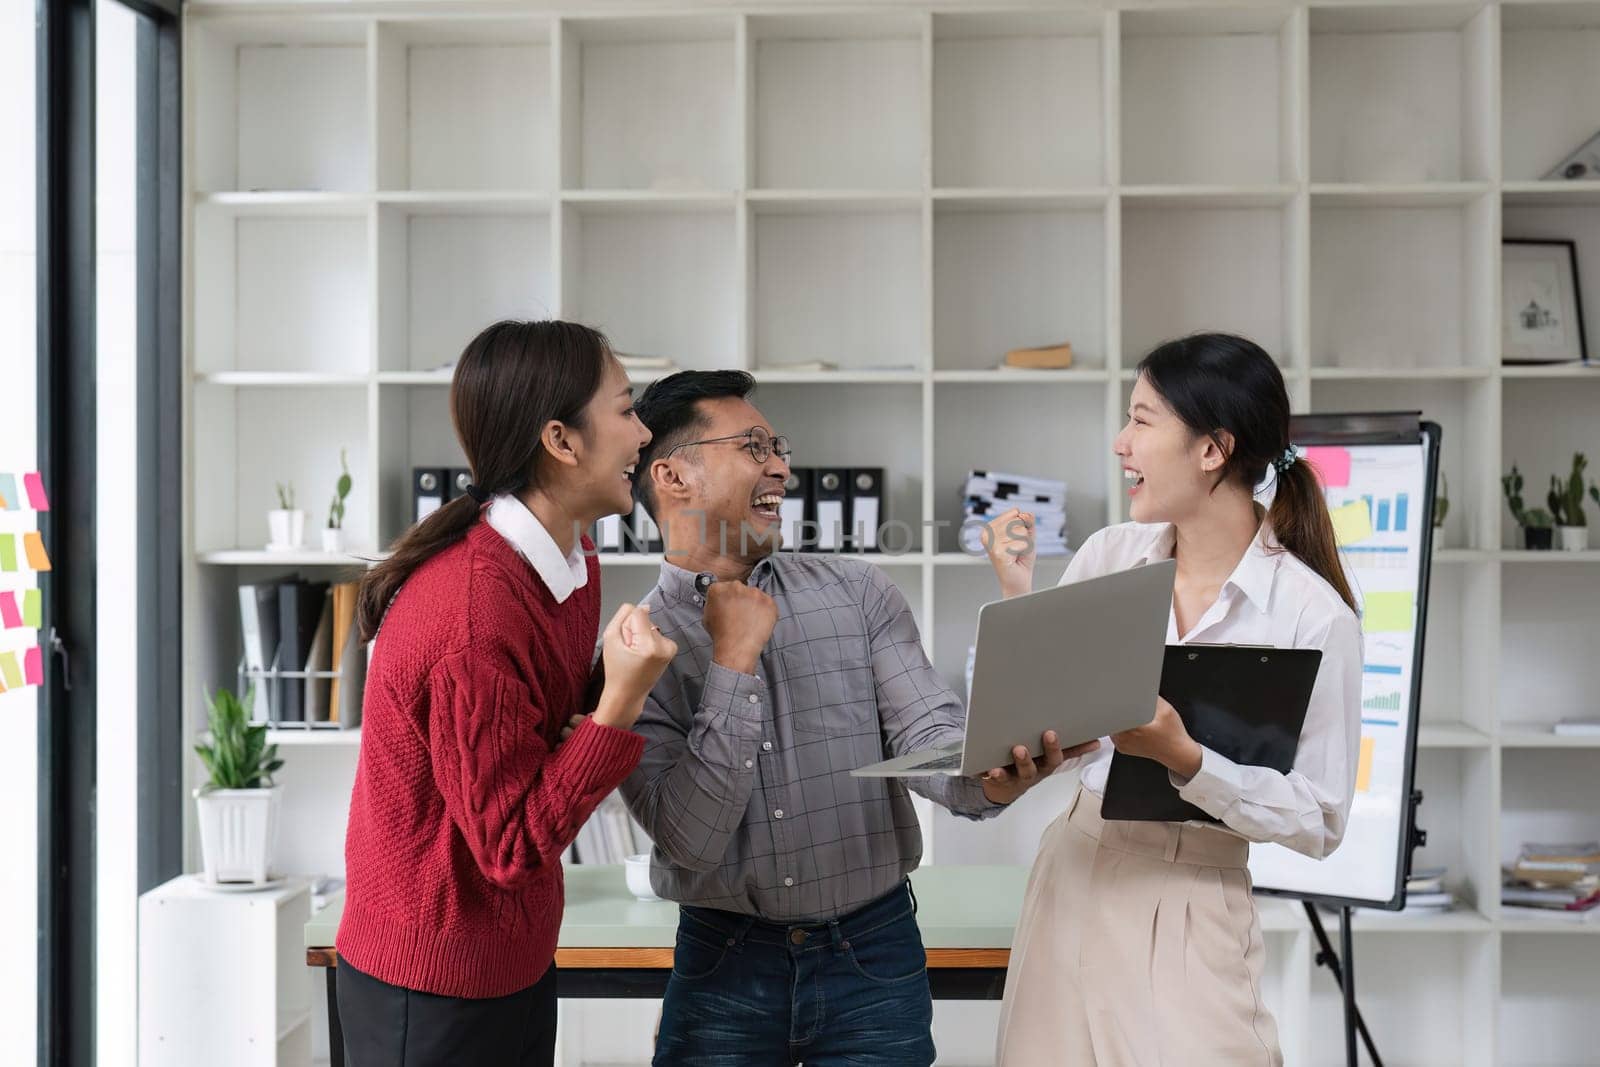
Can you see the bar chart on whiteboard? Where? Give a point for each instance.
(1377, 499)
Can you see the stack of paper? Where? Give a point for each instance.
(1577, 728)
(990, 494)
(1554, 877)
(1425, 891)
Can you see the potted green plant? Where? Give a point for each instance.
(1536, 524)
(286, 524)
(238, 805)
(1566, 505)
(333, 533)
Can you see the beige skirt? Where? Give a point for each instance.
(1138, 946)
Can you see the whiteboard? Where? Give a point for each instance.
(1378, 473)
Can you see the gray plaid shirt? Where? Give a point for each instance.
(745, 785)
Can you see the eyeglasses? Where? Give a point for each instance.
(761, 445)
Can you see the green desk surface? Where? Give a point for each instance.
(957, 907)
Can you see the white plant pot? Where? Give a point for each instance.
(287, 529)
(1572, 538)
(238, 833)
(332, 539)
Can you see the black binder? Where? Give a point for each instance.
(299, 610)
(1245, 702)
(831, 503)
(796, 511)
(457, 480)
(866, 508)
(428, 491)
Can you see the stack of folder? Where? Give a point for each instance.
(302, 653)
(989, 494)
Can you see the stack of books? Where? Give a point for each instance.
(990, 494)
(1425, 891)
(1553, 880)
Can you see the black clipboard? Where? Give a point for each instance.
(1245, 702)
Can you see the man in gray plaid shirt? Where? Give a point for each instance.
(797, 938)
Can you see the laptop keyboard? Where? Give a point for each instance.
(948, 762)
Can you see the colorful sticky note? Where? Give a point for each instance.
(1388, 612)
(8, 552)
(33, 666)
(10, 617)
(9, 670)
(1363, 768)
(32, 609)
(1331, 464)
(9, 500)
(33, 544)
(1351, 523)
(35, 486)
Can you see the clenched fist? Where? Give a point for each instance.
(739, 619)
(634, 654)
(1011, 544)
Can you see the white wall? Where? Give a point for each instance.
(18, 707)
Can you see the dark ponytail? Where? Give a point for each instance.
(1215, 383)
(510, 382)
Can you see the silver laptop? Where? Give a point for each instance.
(1083, 660)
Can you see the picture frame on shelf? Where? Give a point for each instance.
(1541, 309)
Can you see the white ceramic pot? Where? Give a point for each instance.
(1572, 538)
(332, 539)
(638, 870)
(287, 529)
(238, 833)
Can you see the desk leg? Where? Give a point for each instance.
(335, 1029)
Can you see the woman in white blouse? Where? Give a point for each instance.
(1139, 943)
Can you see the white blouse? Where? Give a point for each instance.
(1272, 598)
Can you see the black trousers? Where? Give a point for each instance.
(389, 1026)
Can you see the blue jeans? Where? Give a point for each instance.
(748, 993)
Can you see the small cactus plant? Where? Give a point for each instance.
(1566, 497)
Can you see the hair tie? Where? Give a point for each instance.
(1287, 460)
(477, 494)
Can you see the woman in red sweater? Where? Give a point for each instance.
(466, 793)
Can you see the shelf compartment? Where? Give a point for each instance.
(1543, 423)
(1579, 223)
(1551, 668)
(838, 284)
(650, 103)
(1047, 431)
(658, 279)
(283, 107)
(840, 101)
(1019, 100)
(1550, 84)
(414, 430)
(1017, 277)
(1188, 269)
(466, 104)
(294, 435)
(1401, 286)
(1401, 94)
(445, 273)
(1207, 97)
(282, 293)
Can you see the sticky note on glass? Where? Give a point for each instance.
(1388, 612)
(33, 545)
(1351, 523)
(1363, 767)
(10, 617)
(9, 670)
(35, 486)
(9, 500)
(8, 552)
(1332, 466)
(33, 666)
(32, 609)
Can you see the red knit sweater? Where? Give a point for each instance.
(463, 799)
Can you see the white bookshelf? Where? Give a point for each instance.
(907, 192)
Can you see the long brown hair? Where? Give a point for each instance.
(1217, 382)
(510, 382)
